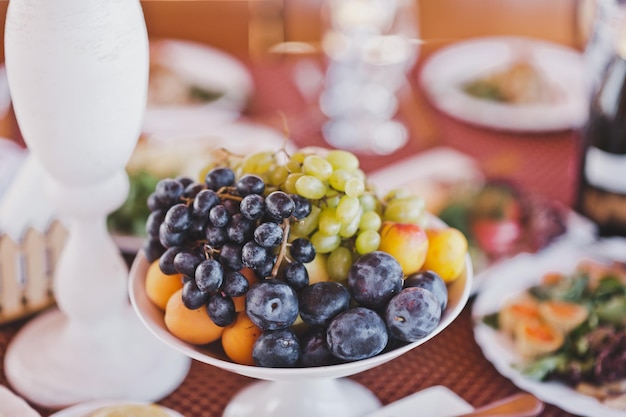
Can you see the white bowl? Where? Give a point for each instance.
(302, 392)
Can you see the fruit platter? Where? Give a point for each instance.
(288, 267)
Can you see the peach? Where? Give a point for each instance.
(407, 242)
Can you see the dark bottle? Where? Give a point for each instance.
(602, 183)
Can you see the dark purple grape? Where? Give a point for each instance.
(219, 177)
(155, 218)
(272, 305)
(279, 205)
(296, 275)
(192, 297)
(265, 270)
(221, 309)
(268, 234)
(184, 181)
(168, 238)
(186, 262)
(302, 206)
(412, 314)
(252, 206)
(253, 255)
(322, 301)
(234, 284)
(431, 281)
(166, 261)
(203, 203)
(219, 216)
(314, 349)
(152, 249)
(177, 218)
(231, 205)
(230, 255)
(302, 250)
(215, 236)
(209, 275)
(196, 228)
(276, 349)
(154, 203)
(168, 191)
(357, 333)
(374, 278)
(192, 190)
(239, 229)
(250, 184)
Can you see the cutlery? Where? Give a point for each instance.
(518, 405)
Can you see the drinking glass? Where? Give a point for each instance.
(369, 45)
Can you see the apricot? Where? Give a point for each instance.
(447, 249)
(160, 286)
(238, 339)
(191, 326)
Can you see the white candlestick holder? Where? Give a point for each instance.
(78, 76)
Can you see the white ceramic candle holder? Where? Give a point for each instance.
(78, 76)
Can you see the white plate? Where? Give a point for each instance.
(81, 410)
(202, 66)
(446, 70)
(436, 401)
(12, 405)
(522, 272)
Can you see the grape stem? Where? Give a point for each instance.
(283, 248)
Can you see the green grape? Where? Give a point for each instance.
(340, 159)
(367, 241)
(354, 187)
(360, 174)
(397, 193)
(299, 156)
(317, 166)
(370, 220)
(349, 230)
(369, 202)
(332, 199)
(328, 223)
(339, 178)
(311, 187)
(347, 209)
(277, 174)
(257, 163)
(289, 186)
(338, 263)
(293, 166)
(306, 226)
(324, 243)
(405, 210)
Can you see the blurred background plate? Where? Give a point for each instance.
(192, 86)
(83, 410)
(521, 273)
(446, 72)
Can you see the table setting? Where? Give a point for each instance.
(80, 331)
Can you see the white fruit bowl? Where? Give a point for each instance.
(302, 392)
